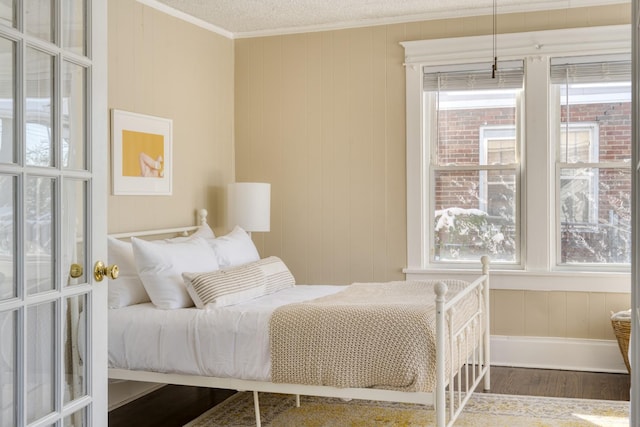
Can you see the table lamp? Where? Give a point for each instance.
(249, 206)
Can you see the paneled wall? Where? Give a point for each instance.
(321, 116)
(555, 314)
(162, 66)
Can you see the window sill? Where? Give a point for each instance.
(523, 280)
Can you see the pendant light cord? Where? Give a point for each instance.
(494, 67)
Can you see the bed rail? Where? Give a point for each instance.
(202, 219)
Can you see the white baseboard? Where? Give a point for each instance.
(123, 392)
(557, 353)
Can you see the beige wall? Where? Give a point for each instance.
(321, 116)
(555, 314)
(162, 66)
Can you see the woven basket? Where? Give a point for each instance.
(622, 330)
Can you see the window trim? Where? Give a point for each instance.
(538, 254)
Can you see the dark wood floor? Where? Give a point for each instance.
(174, 406)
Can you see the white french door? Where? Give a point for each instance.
(53, 155)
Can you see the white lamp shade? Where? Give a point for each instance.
(249, 205)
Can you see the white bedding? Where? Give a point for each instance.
(226, 342)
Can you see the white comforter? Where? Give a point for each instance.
(227, 342)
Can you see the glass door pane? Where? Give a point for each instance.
(41, 350)
(8, 334)
(74, 26)
(78, 419)
(39, 235)
(7, 100)
(8, 288)
(39, 19)
(7, 13)
(74, 242)
(74, 314)
(73, 116)
(39, 109)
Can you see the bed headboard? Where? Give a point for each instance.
(183, 231)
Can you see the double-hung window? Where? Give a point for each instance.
(472, 129)
(591, 113)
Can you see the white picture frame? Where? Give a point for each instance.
(141, 155)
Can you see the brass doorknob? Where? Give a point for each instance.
(75, 271)
(100, 271)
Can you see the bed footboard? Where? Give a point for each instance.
(470, 343)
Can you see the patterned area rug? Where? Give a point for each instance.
(278, 410)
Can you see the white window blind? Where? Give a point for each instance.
(574, 70)
(510, 75)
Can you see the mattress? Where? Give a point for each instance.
(225, 342)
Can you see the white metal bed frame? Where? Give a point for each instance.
(451, 392)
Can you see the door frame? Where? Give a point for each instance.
(97, 218)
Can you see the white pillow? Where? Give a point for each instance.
(235, 248)
(225, 287)
(160, 268)
(127, 289)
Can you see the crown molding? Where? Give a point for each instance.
(448, 14)
(186, 17)
(611, 39)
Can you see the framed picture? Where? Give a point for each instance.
(141, 154)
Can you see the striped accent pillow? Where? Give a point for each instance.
(276, 273)
(225, 287)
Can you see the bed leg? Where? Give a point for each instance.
(256, 405)
(297, 400)
(487, 326)
(440, 405)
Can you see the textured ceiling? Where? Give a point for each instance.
(255, 17)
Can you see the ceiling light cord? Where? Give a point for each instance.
(494, 67)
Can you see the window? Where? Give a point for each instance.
(593, 125)
(474, 161)
(534, 172)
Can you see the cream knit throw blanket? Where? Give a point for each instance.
(379, 335)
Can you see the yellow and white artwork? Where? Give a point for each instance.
(141, 155)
